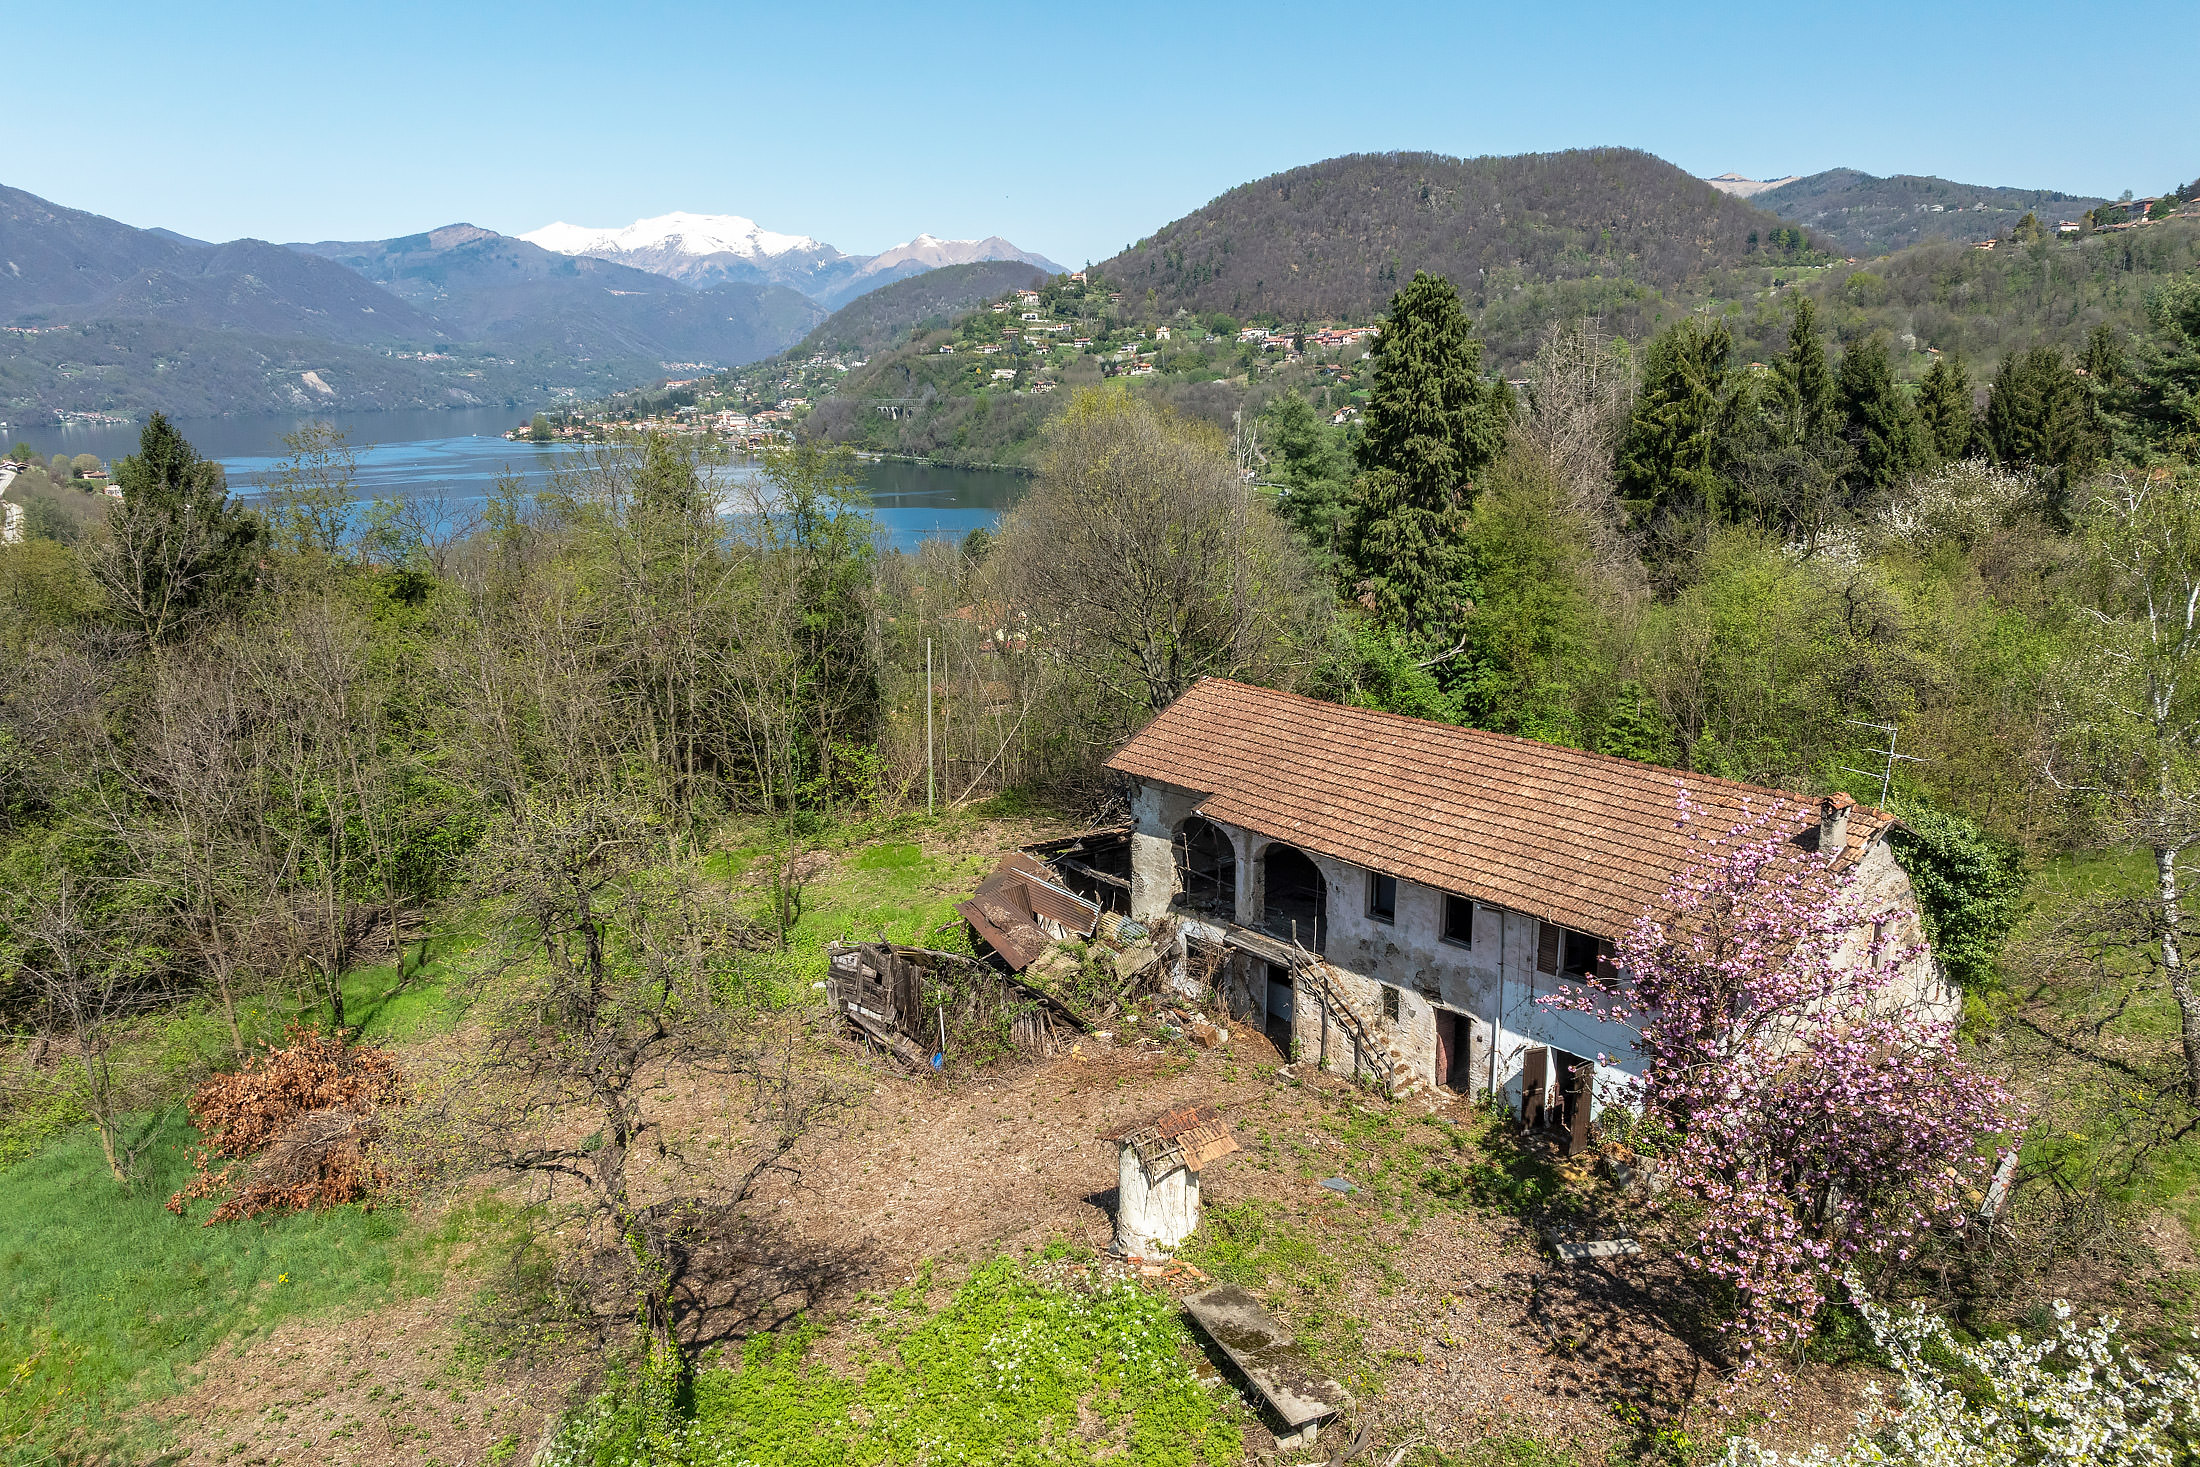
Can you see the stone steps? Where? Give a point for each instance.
(1376, 1047)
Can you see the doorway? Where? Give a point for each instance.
(1278, 1026)
(1557, 1096)
(1454, 1051)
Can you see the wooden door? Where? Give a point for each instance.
(1580, 1075)
(1447, 1024)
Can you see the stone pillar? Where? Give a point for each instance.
(1153, 1215)
(1156, 812)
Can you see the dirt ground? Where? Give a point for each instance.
(1471, 1328)
(383, 1387)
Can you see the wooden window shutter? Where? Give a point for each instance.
(1580, 1086)
(1546, 948)
(1534, 1074)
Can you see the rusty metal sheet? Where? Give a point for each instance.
(1006, 929)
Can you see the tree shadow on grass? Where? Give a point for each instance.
(735, 1276)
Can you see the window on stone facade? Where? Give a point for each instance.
(1565, 953)
(1458, 920)
(1382, 897)
(1390, 1003)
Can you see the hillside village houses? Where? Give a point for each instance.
(1395, 895)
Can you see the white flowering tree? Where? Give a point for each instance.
(2073, 1398)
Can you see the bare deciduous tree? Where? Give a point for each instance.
(1145, 562)
(91, 982)
(2129, 745)
(616, 975)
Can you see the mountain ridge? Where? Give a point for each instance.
(1866, 214)
(1592, 231)
(106, 317)
(710, 249)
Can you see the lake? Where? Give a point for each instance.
(462, 453)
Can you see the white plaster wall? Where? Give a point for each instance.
(1152, 1216)
(1157, 810)
(1493, 981)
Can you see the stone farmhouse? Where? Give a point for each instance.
(1393, 895)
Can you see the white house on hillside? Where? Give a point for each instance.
(1395, 895)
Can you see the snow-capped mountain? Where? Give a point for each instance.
(706, 249)
(700, 249)
(928, 252)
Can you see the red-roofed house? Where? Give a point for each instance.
(1397, 894)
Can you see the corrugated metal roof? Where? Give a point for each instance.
(1011, 904)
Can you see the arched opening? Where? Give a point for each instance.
(1206, 868)
(1296, 899)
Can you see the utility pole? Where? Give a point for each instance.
(928, 786)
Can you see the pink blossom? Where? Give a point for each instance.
(1818, 1116)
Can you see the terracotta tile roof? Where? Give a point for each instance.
(1585, 840)
(1189, 1136)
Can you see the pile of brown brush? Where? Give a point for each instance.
(293, 1129)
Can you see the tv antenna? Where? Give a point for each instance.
(1884, 775)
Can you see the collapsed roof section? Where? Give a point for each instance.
(1021, 909)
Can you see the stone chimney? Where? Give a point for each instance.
(1833, 823)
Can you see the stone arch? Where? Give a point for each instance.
(1206, 868)
(1294, 896)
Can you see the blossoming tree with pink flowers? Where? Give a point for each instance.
(1820, 1116)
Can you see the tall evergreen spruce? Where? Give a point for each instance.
(1881, 427)
(2164, 388)
(2042, 416)
(1433, 424)
(1668, 462)
(1944, 407)
(177, 549)
(1806, 383)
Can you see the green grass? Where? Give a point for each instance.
(1300, 1268)
(1015, 1368)
(428, 1004)
(2089, 1130)
(111, 1299)
(884, 880)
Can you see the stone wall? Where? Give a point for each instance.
(1491, 980)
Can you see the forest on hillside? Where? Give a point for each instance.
(1334, 240)
(881, 318)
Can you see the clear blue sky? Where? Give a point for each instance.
(1069, 129)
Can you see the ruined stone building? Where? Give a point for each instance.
(1394, 895)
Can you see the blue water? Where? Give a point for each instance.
(459, 457)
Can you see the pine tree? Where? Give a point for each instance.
(1668, 462)
(1880, 424)
(177, 550)
(1944, 406)
(2041, 416)
(1806, 386)
(2164, 390)
(1433, 425)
